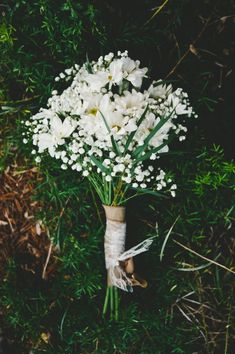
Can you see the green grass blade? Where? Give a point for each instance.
(166, 238)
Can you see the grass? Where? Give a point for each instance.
(52, 293)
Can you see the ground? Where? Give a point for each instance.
(52, 284)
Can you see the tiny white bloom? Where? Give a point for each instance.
(112, 155)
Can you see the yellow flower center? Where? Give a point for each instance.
(110, 77)
(117, 127)
(93, 111)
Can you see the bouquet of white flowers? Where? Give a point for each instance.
(104, 126)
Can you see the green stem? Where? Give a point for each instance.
(116, 303)
(106, 300)
(110, 193)
(111, 302)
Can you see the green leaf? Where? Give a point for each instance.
(99, 164)
(149, 191)
(155, 150)
(131, 136)
(88, 65)
(141, 148)
(113, 141)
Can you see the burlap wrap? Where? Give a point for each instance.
(119, 263)
(114, 238)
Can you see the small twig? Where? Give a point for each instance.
(63, 209)
(47, 261)
(227, 326)
(158, 9)
(203, 257)
(222, 19)
(9, 221)
(188, 50)
(57, 227)
(20, 101)
(184, 314)
(185, 296)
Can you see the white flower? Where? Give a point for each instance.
(109, 57)
(115, 72)
(92, 121)
(119, 124)
(176, 102)
(132, 71)
(159, 91)
(127, 179)
(149, 123)
(131, 103)
(153, 157)
(81, 151)
(58, 131)
(107, 162)
(97, 81)
(62, 129)
(112, 154)
(113, 75)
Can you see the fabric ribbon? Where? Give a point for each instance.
(117, 260)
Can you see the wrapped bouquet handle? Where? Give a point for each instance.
(119, 263)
